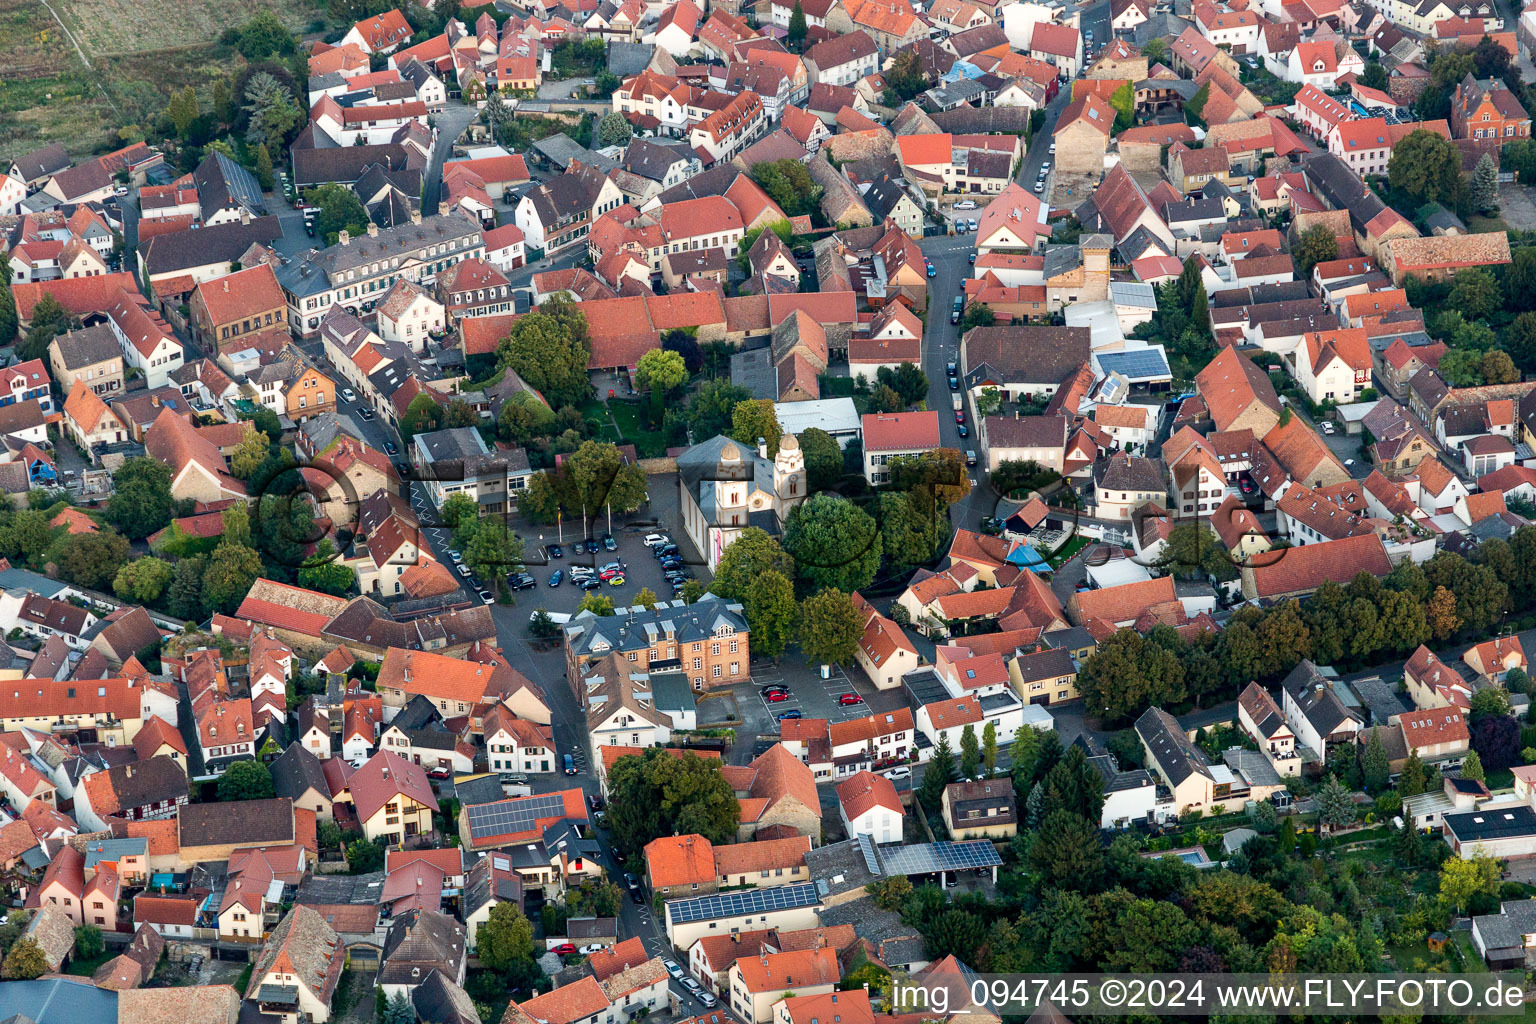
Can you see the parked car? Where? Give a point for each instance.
(455, 556)
(630, 881)
(390, 449)
(656, 540)
(592, 545)
(776, 697)
(972, 224)
(791, 713)
(586, 582)
(589, 950)
(463, 569)
(347, 395)
(609, 544)
(932, 270)
(522, 581)
(564, 949)
(485, 595)
(966, 204)
(708, 1000)
(963, 431)
(569, 764)
(616, 581)
(365, 413)
(673, 969)
(849, 698)
(899, 772)
(556, 577)
(556, 551)
(959, 415)
(773, 688)
(970, 458)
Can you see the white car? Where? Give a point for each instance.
(673, 969)
(656, 540)
(1040, 185)
(485, 595)
(966, 204)
(347, 395)
(455, 556)
(589, 950)
(1052, 150)
(901, 771)
(463, 569)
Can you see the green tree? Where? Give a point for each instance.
(1066, 852)
(1335, 804)
(1123, 100)
(264, 36)
(1472, 767)
(182, 110)
(749, 557)
(49, 320)
(647, 599)
(614, 130)
(1498, 368)
(141, 497)
(989, 748)
(977, 314)
(753, 419)
(91, 560)
(1316, 245)
(823, 458)
(245, 780)
(904, 78)
(494, 551)
(1426, 167)
(1411, 780)
(970, 752)
(710, 409)
(1485, 186)
(364, 856)
(25, 962)
(459, 508)
(661, 371)
(505, 939)
(1128, 674)
(910, 535)
(830, 628)
(795, 37)
(231, 571)
(1476, 293)
(597, 604)
(338, 209)
(265, 172)
(323, 572)
(771, 613)
(789, 185)
(1375, 768)
(423, 415)
(939, 773)
(834, 543)
(1491, 700)
(1462, 881)
(88, 943)
(1462, 368)
(907, 380)
(184, 597)
(249, 454)
(595, 477)
(1374, 77)
(399, 1010)
(8, 319)
(656, 794)
(143, 580)
(549, 348)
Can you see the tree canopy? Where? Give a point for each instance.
(656, 794)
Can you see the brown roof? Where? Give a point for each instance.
(244, 293)
(184, 1004)
(1434, 726)
(679, 860)
(762, 855)
(1306, 568)
(385, 776)
(1231, 383)
(865, 791)
(779, 972)
(246, 823)
(1125, 602)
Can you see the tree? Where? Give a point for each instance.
(797, 27)
(1374, 77)
(771, 613)
(1441, 614)
(459, 508)
(246, 780)
(939, 773)
(1375, 767)
(184, 597)
(970, 752)
(1335, 804)
(232, 569)
(1495, 741)
(25, 962)
(823, 458)
(1472, 767)
(399, 1010)
(1462, 881)
(1425, 167)
(338, 210)
(614, 130)
(753, 419)
(710, 410)
(595, 477)
(904, 78)
(647, 599)
(1065, 851)
(907, 380)
(789, 185)
(1490, 700)
(494, 551)
(1316, 245)
(91, 560)
(597, 604)
(1462, 368)
(656, 794)
(1497, 367)
(249, 454)
(549, 348)
(1485, 186)
(1476, 294)
(143, 580)
(977, 314)
(88, 943)
(830, 628)
(263, 36)
(265, 173)
(750, 556)
(272, 117)
(1123, 100)
(49, 320)
(182, 110)
(505, 939)
(989, 748)
(661, 371)
(1128, 674)
(834, 543)
(323, 572)
(1411, 780)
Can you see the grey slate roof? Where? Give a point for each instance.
(221, 243)
(314, 271)
(1316, 699)
(636, 628)
(296, 772)
(419, 941)
(1175, 753)
(88, 346)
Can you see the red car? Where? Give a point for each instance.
(776, 696)
(850, 698)
(565, 948)
(959, 415)
(608, 574)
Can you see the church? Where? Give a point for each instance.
(725, 488)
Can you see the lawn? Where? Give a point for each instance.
(1477, 224)
(104, 27)
(630, 417)
(1071, 548)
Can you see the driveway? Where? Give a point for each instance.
(1517, 205)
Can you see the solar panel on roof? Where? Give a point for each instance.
(520, 815)
(746, 901)
(1147, 362)
(928, 858)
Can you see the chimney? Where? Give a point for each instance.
(342, 237)
(245, 215)
(373, 230)
(415, 216)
